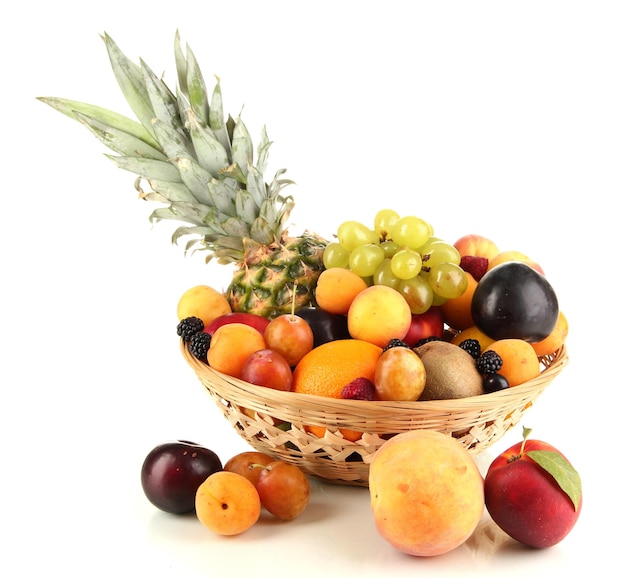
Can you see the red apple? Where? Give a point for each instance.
(533, 493)
(476, 246)
(428, 324)
(256, 321)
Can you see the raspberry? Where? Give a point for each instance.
(359, 388)
(472, 346)
(188, 327)
(199, 345)
(475, 266)
(396, 343)
(488, 362)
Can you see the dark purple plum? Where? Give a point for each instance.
(172, 472)
(326, 326)
(513, 301)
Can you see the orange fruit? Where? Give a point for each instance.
(519, 360)
(326, 369)
(231, 345)
(203, 302)
(556, 339)
(336, 288)
(473, 333)
(457, 312)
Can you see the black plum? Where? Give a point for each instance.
(326, 326)
(172, 472)
(514, 301)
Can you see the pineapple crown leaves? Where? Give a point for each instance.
(198, 164)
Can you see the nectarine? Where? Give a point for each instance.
(533, 493)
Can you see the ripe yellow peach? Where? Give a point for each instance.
(378, 314)
(203, 302)
(506, 256)
(426, 492)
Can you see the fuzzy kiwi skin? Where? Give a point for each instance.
(450, 372)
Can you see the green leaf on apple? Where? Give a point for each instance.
(561, 470)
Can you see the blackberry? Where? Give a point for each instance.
(188, 327)
(396, 343)
(199, 345)
(488, 362)
(425, 340)
(472, 346)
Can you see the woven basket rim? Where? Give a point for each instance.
(551, 366)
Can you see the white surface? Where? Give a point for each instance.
(503, 119)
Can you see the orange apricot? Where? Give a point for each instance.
(519, 360)
(336, 289)
(472, 333)
(555, 340)
(231, 345)
(457, 312)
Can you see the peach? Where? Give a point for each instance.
(203, 302)
(506, 256)
(426, 492)
(476, 246)
(378, 314)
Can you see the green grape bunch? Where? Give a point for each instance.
(400, 252)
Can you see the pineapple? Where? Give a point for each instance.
(202, 171)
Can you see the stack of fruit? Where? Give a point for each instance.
(386, 313)
(453, 321)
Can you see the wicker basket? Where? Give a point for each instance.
(273, 421)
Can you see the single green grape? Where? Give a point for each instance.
(425, 247)
(336, 255)
(406, 264)
(418, 294)
(365, 259)
(384, 221)
(447, 280)
(390, 248)
(440, 252)
(352, 234)
(411, 232)
(384, 275)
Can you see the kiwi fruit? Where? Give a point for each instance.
(450, 371)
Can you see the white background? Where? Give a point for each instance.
(498, 118)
